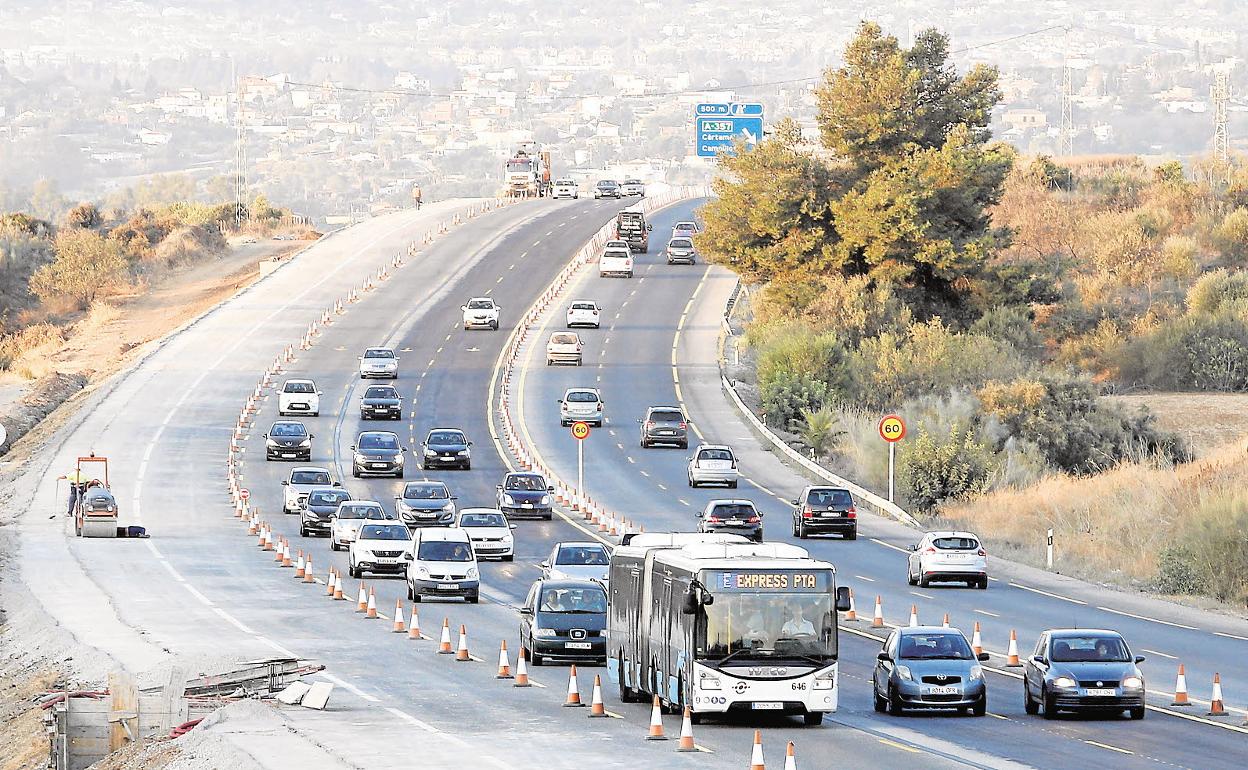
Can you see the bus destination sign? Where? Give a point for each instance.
(774, 580)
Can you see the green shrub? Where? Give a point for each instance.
(1194, 352)
(787, 395)
(1177, 573)
(1013, 324)
(1213, 289)
(1231, 237)
(935, 468)
(819, 429)
(798, 368)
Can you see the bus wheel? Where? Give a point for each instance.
(813, 718)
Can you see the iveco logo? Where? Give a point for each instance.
(740, 687)
(773, 671)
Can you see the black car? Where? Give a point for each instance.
(288, 440)
(1083, 670)
(664, 425)
(381, 402)
(377, 453)
(733, 517)
(317, 516)
(525, 493)
(447, 448)
(565, 620)
(607, 188)
(821, 510)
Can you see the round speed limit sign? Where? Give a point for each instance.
(892, 428)
(580, 430)
(245, 494)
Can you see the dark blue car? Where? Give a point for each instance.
(447, 448)
(525, 494)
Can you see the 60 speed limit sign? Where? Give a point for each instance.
(580, 430)
(892, 428)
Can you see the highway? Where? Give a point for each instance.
(635, 359)
(201, 591)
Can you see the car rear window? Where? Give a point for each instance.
(715, 454)
(830, 498)
(327, 497)
(562, 338)
(582, 397)
(309, 477)
(442, 550)
(666, 415)
(298, 387)
(582, 554)
(480, 304)
(956, 543)
(583, 306)
(680, 243)
(1090, 649)
(378, 353)
(426, 492)
(729, 510)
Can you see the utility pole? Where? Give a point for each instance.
(1221, 93)
(1066, 140)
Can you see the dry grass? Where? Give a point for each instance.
(1108, 527)
(1206, 421)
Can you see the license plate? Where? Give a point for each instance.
(526, 505)
(385, 560)
(1102, 692)
(381, 409)
(578, 645)
(942, 691)
(378, 465)
(767, 706)
(735, 522)
(288, 454)
(448, 586)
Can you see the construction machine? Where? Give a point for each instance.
(527, 173)
(95, 512)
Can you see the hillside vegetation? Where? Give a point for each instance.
(907, 263)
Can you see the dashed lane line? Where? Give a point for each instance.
(1048, 594)
(1151, 620)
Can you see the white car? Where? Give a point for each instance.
(948, 556)
(564, 348)
(578, 561)
(581, 405)
(302, 480)
(299, 397)
(615, 261)
(566, 188)
(380, 547)
(583, 312)
(351, 515)
(633, 187)
(379, 362)
(489, 531)
(713, 464)
(443, 564)
(481, 313)
(616, 244)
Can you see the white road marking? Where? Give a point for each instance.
(989, 614)
(682, 501)
(1231, 636)
(1155, 652)
(1111, 748)
(920, 595)
(864, 577)
(1151, 620)
(1046, 593)
(899, 549)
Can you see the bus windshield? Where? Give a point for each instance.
(768, 625)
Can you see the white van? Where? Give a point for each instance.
(442, 563)
(299, 397)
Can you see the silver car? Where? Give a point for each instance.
(713, 464)
(929, 667)
(577, 561)
(948, 556)
(681, 250)
(581, 405)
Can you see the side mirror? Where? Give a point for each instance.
(498, 487)
(1139, 658)
(796, 502)
(690, 604)
(310, 435)
(320, 392)
(512, 526)
(264, 435)
(469, 443)
(1039, 659)
(842, 599)
(883, 656)
(649, 228)
(409, 556)
(353, 447)
(454, 497)
(463, 307)
(545, 564)
(285, 483)
(983, 656)
(912, 547)
(526, 610)
(337, 483)
(550, 489)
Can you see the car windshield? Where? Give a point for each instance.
(715, 454)
(288, 430)
(955, 543)
(1090, 649)
(606, 184)
(680, 243)
(666, 415)
(378, 353)
(480, 304)
(733, 510)
(381, 391)
(446, 437)
(378, 441)
(327, 497)
(563, 338)
(384, 532)
(482, 520)
(309, 477)
(941, 645)
(830, 498)
(766, 625)
(578, 600)
(581, 397)
(526, 483)
(299, 387)
(582, 555)
(361, 512)
(426, 492)
(443, 550)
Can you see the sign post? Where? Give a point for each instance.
(1048, 558)
(580, 432)
(892, 429)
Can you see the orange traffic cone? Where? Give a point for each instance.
(504, 665)
(308, 574)
(1011, 654)
(852, 613)
(977, 644)
(522, 671)
(1216, 707)
(1180, 689)
(361, 600)
(444, 645)
(461, 653)
(945, 622)
(914, 616)
(756, 757)
(656, 723)
(338, 597)
(399, 626)
(574, 691)
(371, 610)
(413, 628)
(596, 708)
(686, 733)
(299, 565)
(329, 583)
(790, 761)
(878, 620)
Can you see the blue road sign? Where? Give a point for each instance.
(716, 134)
(751, 109)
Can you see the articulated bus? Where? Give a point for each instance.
(724, 627)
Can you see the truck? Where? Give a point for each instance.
(527, 173)
(725, 627)
(631, 226)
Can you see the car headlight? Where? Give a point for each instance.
(1064, 681)
(977, 672)
(359, 459)
(270, 443)
(826, 680)
(545, 632)
(709, 682)
(472, 573)
(398, 459)
(545, 500)
(430, 453)
(463, 453)
(903, 673)
(422, 571)
(307, 442)
(448, 507)
(508, 500)
(1132, 683)
(508, 539)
